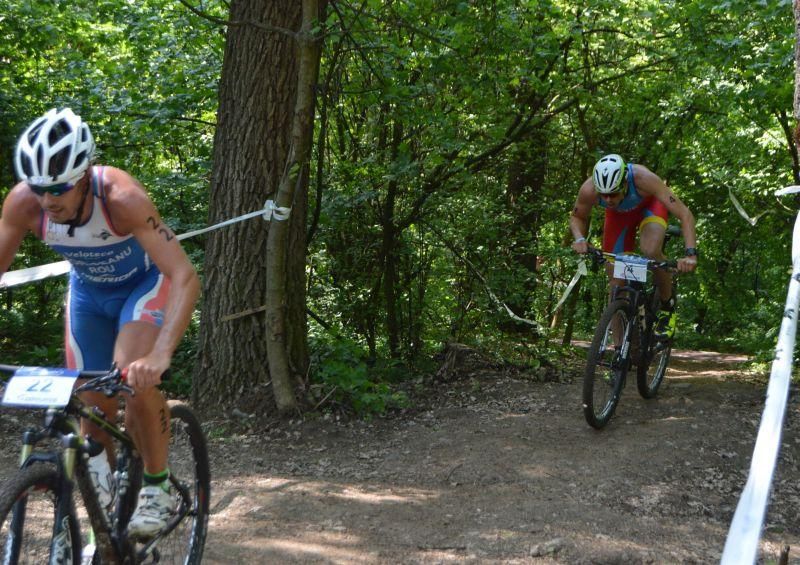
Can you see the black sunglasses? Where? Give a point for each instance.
(55, 189)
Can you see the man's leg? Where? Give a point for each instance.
(88, 344)
(146, 413)
(147, 420)
(651, 240)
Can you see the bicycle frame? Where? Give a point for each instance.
(63, 424)
(640, 296)
(623, 337)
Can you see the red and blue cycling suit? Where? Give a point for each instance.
(634, 212)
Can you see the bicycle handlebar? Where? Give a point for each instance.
(601, 257)
(82, 374)
(109, 382)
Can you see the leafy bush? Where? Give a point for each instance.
(341, 375)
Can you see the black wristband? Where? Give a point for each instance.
(690, 252)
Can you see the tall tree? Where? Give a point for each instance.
(257, 96)
(797, 74)
(280, 245)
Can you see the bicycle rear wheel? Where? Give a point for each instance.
(31, 503)
(190, 476)
(653, 363)
(606, 367)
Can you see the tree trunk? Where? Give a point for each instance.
(389, 240)
(294, 185)
(257, 95)
(797, 74)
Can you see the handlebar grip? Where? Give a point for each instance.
(165, 376)
(671, 264)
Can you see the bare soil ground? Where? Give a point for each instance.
(497, 466)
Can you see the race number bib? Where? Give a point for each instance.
(631, 268)
(40, 387)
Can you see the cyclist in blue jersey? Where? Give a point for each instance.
(635, 200)
(132, 289)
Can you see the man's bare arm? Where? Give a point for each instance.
(581, 212)
(19, 213)
(652, 184)
(135, 213)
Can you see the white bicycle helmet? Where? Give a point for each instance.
(56, 148)
(608, 174)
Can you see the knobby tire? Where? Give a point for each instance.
(654, 355)
(653, 364)
(188, 461)
(605, 371)
(29, 531)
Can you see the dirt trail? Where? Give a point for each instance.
(501, 468)
(496, 466)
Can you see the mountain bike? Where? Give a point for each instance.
(625, 336)
(40, 520)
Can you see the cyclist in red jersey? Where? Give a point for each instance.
(635, 200)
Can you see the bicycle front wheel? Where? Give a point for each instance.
(37, 520)
(606, 364)
(190, 476)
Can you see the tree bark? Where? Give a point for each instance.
(796, 75)
(257, 94)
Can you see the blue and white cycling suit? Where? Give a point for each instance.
(112, 282)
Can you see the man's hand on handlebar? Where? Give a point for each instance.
(581, 246)
(147, 371)
(687, 264)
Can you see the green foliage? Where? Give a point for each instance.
(343, 377)
(451, 137)
(671, 85)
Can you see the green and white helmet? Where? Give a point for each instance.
(608, 174)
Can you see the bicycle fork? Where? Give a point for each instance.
(622, 358)
(61, 543)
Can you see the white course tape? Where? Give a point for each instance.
(31, 274)
(740, 209)
(581, 272)
(787, 190)
(237, 219)
(745, 531)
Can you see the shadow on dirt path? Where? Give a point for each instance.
(496, 466)
(500, 468)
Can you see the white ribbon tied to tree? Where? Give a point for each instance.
(22, 276)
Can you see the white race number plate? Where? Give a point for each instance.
(630, 268)
(40, 387)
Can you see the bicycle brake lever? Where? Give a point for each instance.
(123, 374)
